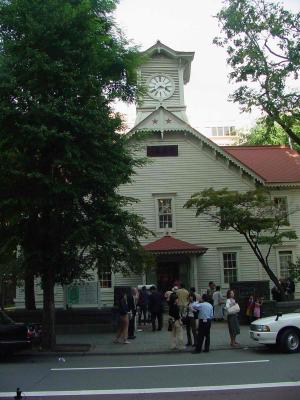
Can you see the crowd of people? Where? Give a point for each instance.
(139, 306)
(188, 311)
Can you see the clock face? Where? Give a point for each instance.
(160, 87)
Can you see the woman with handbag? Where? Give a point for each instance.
(232, 309)
(190, 322)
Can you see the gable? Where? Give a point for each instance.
(162, 121)
(183, 57)
(194, 168)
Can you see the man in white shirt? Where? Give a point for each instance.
(205, 316)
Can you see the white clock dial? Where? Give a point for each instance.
(160, 87)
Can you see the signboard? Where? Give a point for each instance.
(81, 294)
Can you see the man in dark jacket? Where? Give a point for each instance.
(156, 308)
(143, 304)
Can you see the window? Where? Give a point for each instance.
(165, 215)
(162, 151)
(164, 205)
(214, 131)
(285, 258)
(220, 130)
(226, 131)
(282, 205)
(223, 131)
(230, 267)
(232, 131)
(104, 274)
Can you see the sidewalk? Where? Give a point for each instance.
(146, 342)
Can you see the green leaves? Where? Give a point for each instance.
(62, 64)
(268, 132)
(262, 40)
(252, 214)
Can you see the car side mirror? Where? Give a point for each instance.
(279, 314)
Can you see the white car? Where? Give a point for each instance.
(282, 330)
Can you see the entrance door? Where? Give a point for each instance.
(167, 275)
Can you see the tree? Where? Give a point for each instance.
(264, 133)
(252, 214)
(262, 40)
(62, 64)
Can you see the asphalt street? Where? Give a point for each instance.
(224, 374)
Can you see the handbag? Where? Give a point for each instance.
(233, 309)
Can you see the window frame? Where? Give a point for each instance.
(237, 253)
(102, 280)
(156, 151)
(283, 250)
(223, 131)
(164, 196)
(285, 198)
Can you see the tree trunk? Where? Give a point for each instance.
(288, 131)
(1, 293)
(49, 335)
(265, 266)
(274, 279)
(29, 291)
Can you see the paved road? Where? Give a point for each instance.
(238, 374)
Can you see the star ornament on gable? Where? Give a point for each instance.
(168, 121)
(155, 121)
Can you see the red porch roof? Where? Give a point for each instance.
(275, 164)
(169, 245)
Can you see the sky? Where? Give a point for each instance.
(188, 25)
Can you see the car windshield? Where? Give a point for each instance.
(4, 319)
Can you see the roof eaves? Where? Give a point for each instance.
(283, 184)
(159, 46)
(179, 251)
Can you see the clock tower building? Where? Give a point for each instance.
(163, 76)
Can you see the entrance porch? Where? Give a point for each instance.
(176, 263)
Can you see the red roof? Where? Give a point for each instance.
(275, 164)
(168, 244)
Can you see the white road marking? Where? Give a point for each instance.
(160, 366)
(155, 390)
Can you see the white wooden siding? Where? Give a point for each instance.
(193, 170)
(161, 64)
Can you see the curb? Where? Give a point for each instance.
(131, 353)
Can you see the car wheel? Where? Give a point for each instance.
(290, 341)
